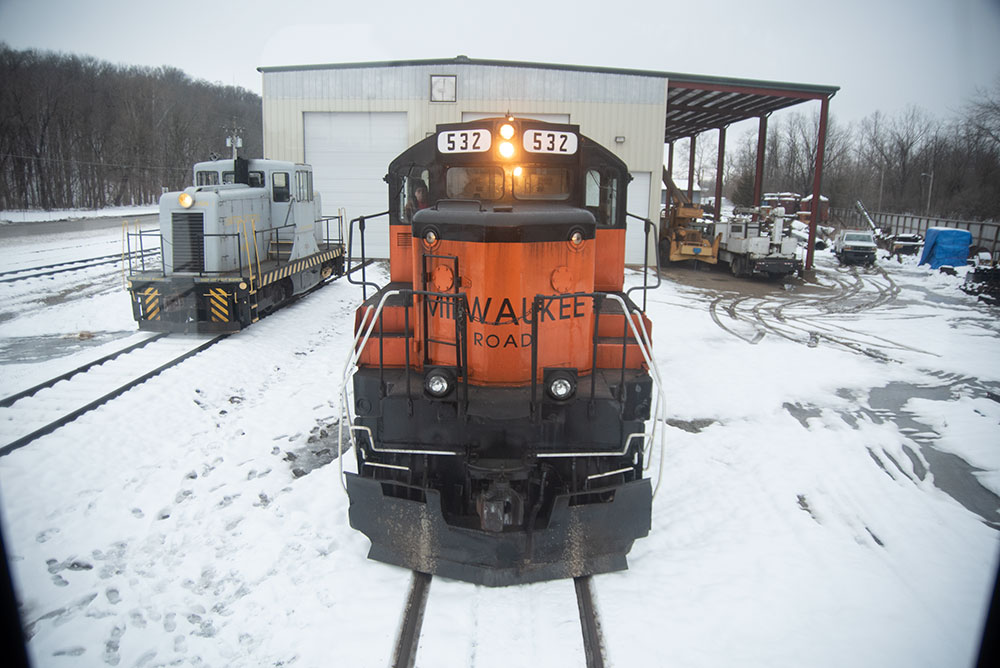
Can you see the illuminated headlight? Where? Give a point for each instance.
(506, 131)
(437, 383)
(506, 149)
(185, 200)
(561, 388)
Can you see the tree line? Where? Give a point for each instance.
(76, 132)
(909, 162)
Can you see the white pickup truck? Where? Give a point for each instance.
(855, 247)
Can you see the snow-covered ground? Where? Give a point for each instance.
(825, 499)
(39, 216)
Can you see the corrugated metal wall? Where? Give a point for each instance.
(604, 105)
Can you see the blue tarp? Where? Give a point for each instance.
(946, 246)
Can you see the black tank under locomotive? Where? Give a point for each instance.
(503, 378)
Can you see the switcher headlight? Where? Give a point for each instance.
(185, 200)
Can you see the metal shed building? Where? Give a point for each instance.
(349, 120)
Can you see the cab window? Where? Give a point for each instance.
(480, 183)
(206, 179)
(415, 193)
(280, 190)
(601, 196)
(256, 180)
(541, 183)
(303, 185)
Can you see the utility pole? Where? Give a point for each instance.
(930, 185)
(234, 138)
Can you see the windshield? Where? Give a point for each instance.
(541, 183)
(482, 183)
(859, 237)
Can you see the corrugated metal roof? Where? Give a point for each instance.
(695, 103)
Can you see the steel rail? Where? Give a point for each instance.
(72, 415)
(91, 262)
(405, 654)
(593, 645)
(9, 401)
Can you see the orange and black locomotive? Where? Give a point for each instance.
(502, 378)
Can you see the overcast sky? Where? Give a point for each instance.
(883, 54)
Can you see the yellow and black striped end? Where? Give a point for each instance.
(218, 305)
(150, 299)
(299, 265)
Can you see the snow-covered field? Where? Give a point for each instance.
(829, 496)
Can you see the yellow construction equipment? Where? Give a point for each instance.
(683, 235)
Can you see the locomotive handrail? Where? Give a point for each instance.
(371, 316)
(350, 242)
(325, 220)
(645, 259)
(644, 344)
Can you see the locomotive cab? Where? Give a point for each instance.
(501, 397)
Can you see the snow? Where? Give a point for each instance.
(198, 520)
(40, 216)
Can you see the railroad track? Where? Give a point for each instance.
(12, 275)
(43, 408)
(408, 637)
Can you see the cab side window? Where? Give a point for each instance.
(303, 185)
(280, 189)
(601, 196)
(415, 194)
(207, 179)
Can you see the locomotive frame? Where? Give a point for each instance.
(502, 380)
(242, 241)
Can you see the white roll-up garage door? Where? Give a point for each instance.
(350, 153)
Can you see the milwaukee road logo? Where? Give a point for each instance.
(504, 312)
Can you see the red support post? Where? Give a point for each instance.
(758, 178)
(817, 180)
(691, 171)
(718, 173)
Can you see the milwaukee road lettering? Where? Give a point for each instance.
(503, 313)
(494, 312)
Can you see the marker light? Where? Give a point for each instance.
(185, 200)
(506, 149)
(506, 131)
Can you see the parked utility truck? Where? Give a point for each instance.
(758, 241)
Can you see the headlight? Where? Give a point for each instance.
(438, 383)
(561, 388)
(506, 149)
(506, 131)
(185, 200)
